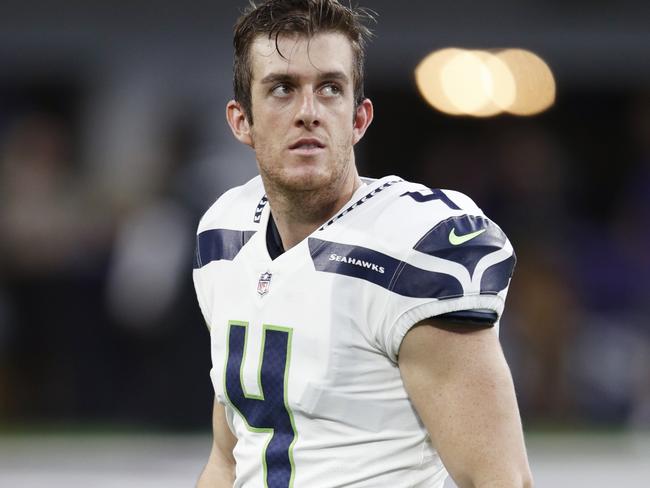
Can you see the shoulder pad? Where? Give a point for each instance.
(468, 240)
(238, 208)
(229, 223)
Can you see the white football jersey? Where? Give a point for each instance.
(304, 347)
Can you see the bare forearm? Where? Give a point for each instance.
(216, 477)
(482, 444)
(219, 471)
(493, 471)
(462, 390)
(515, 479)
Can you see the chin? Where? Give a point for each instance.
(304, 178)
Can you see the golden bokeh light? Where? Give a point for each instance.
(534, 80)
(429, 81)
(503, 89)
(467, 82)
(480, 83)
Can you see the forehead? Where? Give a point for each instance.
(301, 55)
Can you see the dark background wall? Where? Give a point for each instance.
(113, 141)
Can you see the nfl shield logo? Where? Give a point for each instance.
(264, 283)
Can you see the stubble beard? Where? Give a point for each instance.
(311, 195)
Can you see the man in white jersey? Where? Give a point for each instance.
(352, 322)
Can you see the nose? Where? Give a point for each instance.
(307, 115)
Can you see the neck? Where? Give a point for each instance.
(298, 213)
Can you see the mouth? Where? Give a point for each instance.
(307, 145)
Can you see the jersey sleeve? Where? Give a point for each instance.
(199, 283)
(222, 231)
(458, 270)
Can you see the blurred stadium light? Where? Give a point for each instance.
(480, 83)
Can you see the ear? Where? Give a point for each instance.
(239, 123)
(362, 119)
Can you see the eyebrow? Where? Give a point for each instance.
(285, 77)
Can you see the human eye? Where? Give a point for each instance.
(281, 90)
(331, 90)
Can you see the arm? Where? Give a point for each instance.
(460, 385)
(219, 472)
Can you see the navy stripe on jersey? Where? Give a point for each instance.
(383, 270)
(219, 244)
(497, 277)
(452, 239)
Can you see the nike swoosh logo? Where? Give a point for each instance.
(458, 240)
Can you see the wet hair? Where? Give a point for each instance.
(275, 18)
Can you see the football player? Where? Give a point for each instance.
(352, 322)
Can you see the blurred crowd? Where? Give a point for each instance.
(100, 195)
(99, 201)
(572, 191)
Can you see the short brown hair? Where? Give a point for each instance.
(304, 17)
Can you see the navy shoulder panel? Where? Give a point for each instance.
(464, 239)
(383, 270)
(219, 244)
(497, 276)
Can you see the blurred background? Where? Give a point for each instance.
(113, 142)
